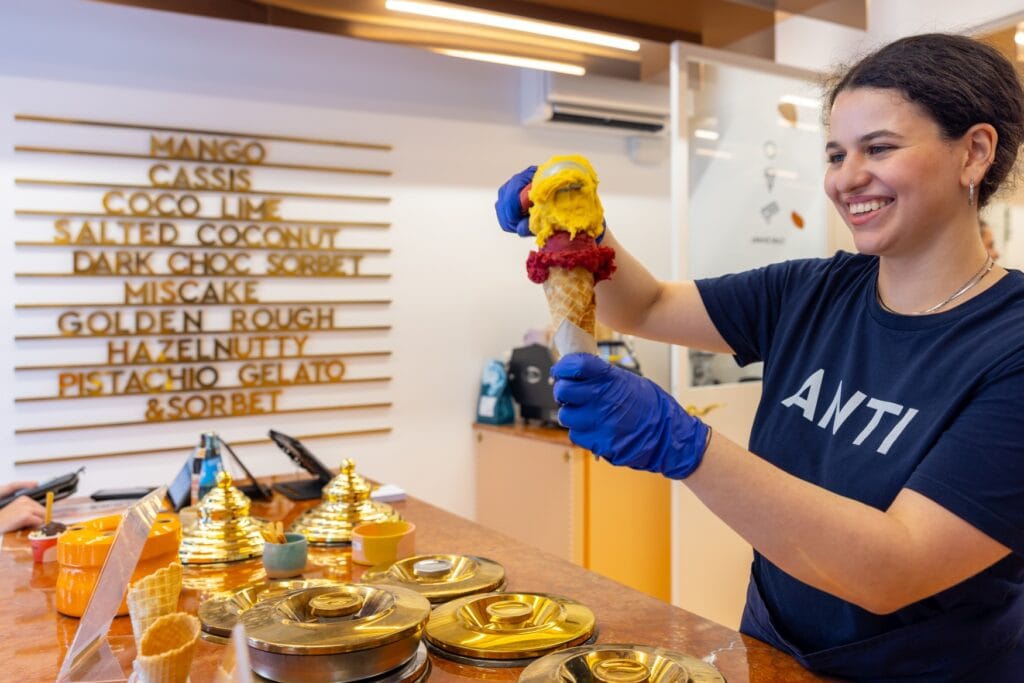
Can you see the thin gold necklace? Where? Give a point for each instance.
(975, 279)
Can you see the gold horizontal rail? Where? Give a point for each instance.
(205, 219)
(200, 333)
(312, 356)
(209, 247)
(67, 151)
(290, 411)
(202, 131)
(239, 276)
(203, 390)
(262, 193)
(189, 446)
(240, 304)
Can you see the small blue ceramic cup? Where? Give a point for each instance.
(284, 560)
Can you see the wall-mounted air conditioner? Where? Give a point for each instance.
(595, 102)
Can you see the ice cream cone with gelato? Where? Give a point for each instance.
(567, 219)
(167, 648)
(153, 596)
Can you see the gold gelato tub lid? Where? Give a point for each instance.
(224, 532)
(342, 618)
(338, 489)
(440, 578)
(346, 504)
(505, 626)
(619, 664)
(219, 615)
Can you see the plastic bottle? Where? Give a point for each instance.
(212, 463)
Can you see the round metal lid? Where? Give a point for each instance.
(620, 664)
(219, 615)
(366, 617)
(509, 625)
(415, 670)
(440, 578)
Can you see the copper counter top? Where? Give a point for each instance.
(35, 637)
(529, 431)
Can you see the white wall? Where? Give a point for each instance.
(823, 46)
(459, 291)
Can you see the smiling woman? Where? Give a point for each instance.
(901, 117)
(883, 489)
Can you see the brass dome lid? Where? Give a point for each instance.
(224, 532)
(619, 664)
(339, 488)
(502, 626)
(440, 578)
(219, 615)
(346, 504)
(335, 619)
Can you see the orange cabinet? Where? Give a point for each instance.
(534, 485)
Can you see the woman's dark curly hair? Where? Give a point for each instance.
(958, 81)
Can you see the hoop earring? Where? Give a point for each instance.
(970, 194)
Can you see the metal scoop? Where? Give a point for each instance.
(553, 169)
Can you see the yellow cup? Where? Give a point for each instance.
(383, 542)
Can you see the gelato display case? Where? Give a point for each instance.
(543, 606)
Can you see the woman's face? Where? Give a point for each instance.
(893, 177)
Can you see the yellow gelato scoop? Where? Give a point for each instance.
(564, 196)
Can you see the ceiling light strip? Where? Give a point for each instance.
(509, 60)
(513, 24)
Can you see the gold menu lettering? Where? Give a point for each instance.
(216, 178)
(205, 349)
(129, 382)
(208, 263)
(179, 253)
(283, 318)
(278, 374)
(257, 236)
(106, 323)
(112, 263)
(313, 265)
(114, 233)
(165, 292)
(247, 209)
(163, 204)
(206, 149)
(223, 404)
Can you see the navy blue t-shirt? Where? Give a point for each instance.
(864, 403)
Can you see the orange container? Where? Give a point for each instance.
(83, 548)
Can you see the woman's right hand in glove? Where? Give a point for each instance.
(511, 216)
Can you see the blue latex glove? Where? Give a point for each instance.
(511, 216)
(625, 418)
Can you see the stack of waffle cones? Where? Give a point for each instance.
(167, 648)
(152, 597)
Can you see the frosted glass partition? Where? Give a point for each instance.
(748, 147)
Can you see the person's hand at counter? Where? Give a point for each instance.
(22, 512)
(12, 486)
(626, 419)
(511, 216)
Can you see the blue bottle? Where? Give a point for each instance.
(212, 463)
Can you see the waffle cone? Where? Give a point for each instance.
(152, 597)
(166, 649)
(570, 294)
